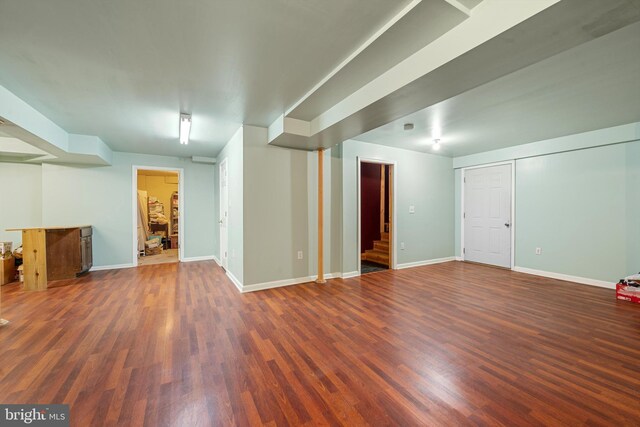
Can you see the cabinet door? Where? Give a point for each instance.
(83, 254)
(89, 243)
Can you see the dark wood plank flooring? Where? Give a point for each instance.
(449, 344)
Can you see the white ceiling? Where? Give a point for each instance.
(123, 70)
(592, 86)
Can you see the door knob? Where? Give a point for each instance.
(506, 224)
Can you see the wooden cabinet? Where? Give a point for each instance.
(55, 253)
(69, 252)
(7, 270)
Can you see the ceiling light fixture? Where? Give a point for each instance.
(185, 128)
(408, 126)
(436, 144)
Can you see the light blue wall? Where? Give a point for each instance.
(233, 152)
(579, 206)
(102, 197)
(633, 207)
(423, 180)
(276, 210)
(20, 199)
(573, 206)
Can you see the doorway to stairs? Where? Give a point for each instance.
(376, 216)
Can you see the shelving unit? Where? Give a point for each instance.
(174, 220)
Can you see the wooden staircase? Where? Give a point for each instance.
(380, 252)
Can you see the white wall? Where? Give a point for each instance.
(20, 199)
(102, 197)
(423, 180)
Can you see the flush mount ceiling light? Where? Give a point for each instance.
(185, 128)
(408, 126)
(436, 144)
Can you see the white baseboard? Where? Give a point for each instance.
(287, 282)
(350, 274)
(111, 267)
(235, 281)
(427, 262)
(277, 284)
(199, 258)
(568, 278)
(215, 258)
(459, 258)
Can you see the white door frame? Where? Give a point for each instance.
(511, 163)
(134, 200)
(224, 261)
(394, 208)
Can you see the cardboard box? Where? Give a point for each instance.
(153, 251)
(7, 270)
(627, 292)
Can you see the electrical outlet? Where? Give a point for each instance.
(402, 246)
(300, 255)
(538, 251)
(412, 209)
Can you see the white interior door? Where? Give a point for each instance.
(224, 214)
(487, 215)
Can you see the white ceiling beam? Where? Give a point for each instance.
(490, 18)
(462, 8)
(356, 52)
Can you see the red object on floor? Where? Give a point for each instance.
(627, 292)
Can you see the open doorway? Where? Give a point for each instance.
(376, 217)
(158, 211)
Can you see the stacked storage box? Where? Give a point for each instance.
(7, 263)
(628, 289)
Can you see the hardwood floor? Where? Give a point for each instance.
(449, 344)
